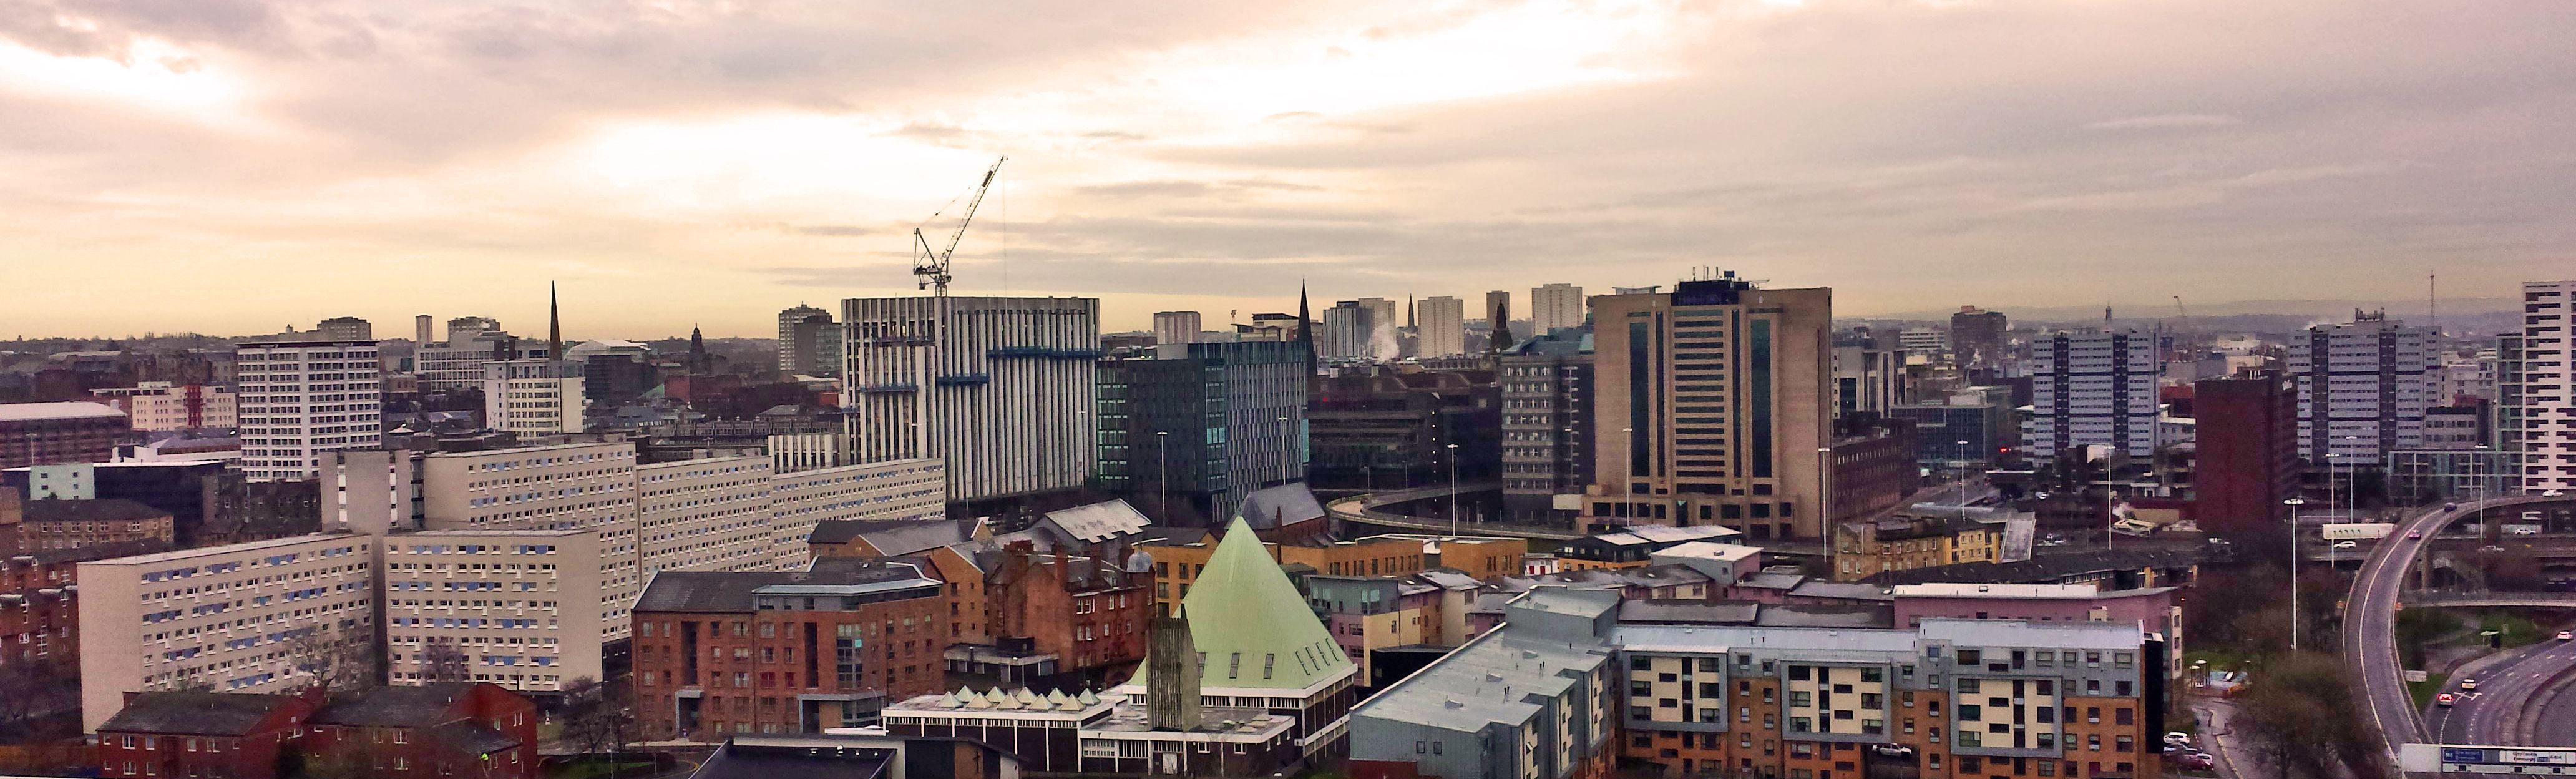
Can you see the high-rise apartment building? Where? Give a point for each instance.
(1350, 332)
(517, 608)
(2542, 410)
(1869, 374)
(2091, 388)
(999, 389)
(1711, 407)
(2247, 450)
(457, 363)
(709, 514)
(1977, 336)
(1555, 306)
(533, 397)
(895, 490)
(344, 328)
(160, 406)
(1204, 423)
(589, 487)
(809, 343)
(2363, 388)
(1546, 385)
(300, 399)
(1440, 327)
(261, 617)
(1176, 327)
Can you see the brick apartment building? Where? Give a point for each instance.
(69, 524)
(1088, 613)
(193, 734)
(2247, 453)
(66, 432)
(719, 653)
(461, 730)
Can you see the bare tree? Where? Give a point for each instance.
(30, 689)
(335, 660)
(595, 716)
(443, 662)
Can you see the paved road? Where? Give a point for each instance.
(2370, 623)
(2511, 687)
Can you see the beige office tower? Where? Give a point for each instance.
(1710, 404)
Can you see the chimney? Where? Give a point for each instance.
(1171, 676)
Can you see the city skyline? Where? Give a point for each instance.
(1207, 158)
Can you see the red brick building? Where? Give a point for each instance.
(202, 735)
(2248, 453)
(1088, 612)
(722, 653)
(66, 432)
(455, 730)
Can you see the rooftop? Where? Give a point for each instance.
(1099, 521)
(194, 712)
(2048, 568)
(102, 510)
(893, 536)
(397, 706)
(2002, 591)
(1491, 679)
(1280, 506)
(737, 591)
(743, 758)
(1711, 550)
(2071, 635)
(227, 549)
(68, 409)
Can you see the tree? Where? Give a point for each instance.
(595, 715)
(443, 662)
(337, 662)
(2302, 708)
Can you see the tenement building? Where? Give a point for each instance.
(724, 653)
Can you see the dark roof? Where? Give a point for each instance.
(109, 551)
(102, 510)
(2045, 569)
(731, 591)
(1688, 611)
(472, 737)
(194, 713)
(1280, 506)
(1173, 536)
(892, 536)
(1808, 615)
(738, 761)
(396, 707)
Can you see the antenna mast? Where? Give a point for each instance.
(931, 267)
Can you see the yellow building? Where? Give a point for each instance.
(1178, 561)
(1904, 542)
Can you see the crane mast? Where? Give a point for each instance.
(931, 267)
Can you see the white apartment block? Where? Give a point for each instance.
(2363, 388)
(457, 363)
(1924, 341)
(899, 489)
(1440, 327)
(300, 399)
(2091, 388)
(709, 514)
(159, 406)
(533, 397)
(1001, 390)
(565, 487)
(2541, 409)
(1555, 305)
(1176, 327)
(800, 331)
(249, 618)
(517, 608)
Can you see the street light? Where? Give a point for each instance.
(2294, 504)
(1288, 445)
(1453, 490)
(1963, 478)
(1163, 474)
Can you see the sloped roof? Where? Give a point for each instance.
(194, 712)
(396, 706)
(1243, 606)
(893, 536)
(473, 737)
(101, 510)
(1280, 506)
(1099, 521)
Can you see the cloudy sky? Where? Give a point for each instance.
(231, 166)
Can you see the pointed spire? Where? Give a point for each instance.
(554, 324)
(1306, 327)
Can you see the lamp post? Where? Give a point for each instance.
(1963, 477)
(2331, 457)
(1288, 471)
(1163, 474)
(2294, 504)
(1825, 495)
(1453, 490)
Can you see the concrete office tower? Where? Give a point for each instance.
(1977, 335)
(1498, 316)
(2363, 388)
(1176, 327)
(1869, 374)
(999, 389)
(809, 343)
(259, 617)
(510, 607)
(2092, 388)
(1546, 385)
(300, 399)
(1347, 330)
(1554, 306)
(457, 363)
(344, 328)
(1710, 405)
(2538, 415)
(893, 490)
(420, 330)
(533, 397)
(160, 406)
(2248, 452)
(1925, 342)
(1216, 421)
(709, 514)
(1441, 327)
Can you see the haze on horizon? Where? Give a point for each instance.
(231, 166)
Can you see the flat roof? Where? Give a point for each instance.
(1710, 550)
(525, 449)
(213, 551)
(66, 409)
(2011, 591)
(503, 533)
(1996, 632)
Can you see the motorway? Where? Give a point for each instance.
(2509, 684)
(2370, 624)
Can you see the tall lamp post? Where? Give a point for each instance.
(1962, 448)
(1163, 474)
(1453, 490)
(1288, 471)
(2294, 504)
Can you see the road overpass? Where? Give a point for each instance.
(1367, 511)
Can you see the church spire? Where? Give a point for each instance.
(554, 324)
(1305, 327)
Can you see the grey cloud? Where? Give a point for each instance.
(2165, 121)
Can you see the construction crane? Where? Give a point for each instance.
(931, 267)
(2184, 313)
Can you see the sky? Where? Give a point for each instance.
(236, 166)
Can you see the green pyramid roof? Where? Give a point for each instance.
(1249, 622)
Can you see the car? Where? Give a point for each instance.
(2347, 545)
(2178, 738)
(2198, 761)
(1892, 750)
(2414, 534)
(2468, 684)
(2567, 635)
(2446, 700)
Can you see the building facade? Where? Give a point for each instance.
(65, 432)
(809, 342)
(1176, 327)
(260, 617)
(2246, 453)
(726, 653)
(1440, 327)
(1555, 306)
(2543, 408)
(160, 406)
(2092, 388)
(901, 490)
(1204, 423)
(2363, 388)
(1000, 389)
(1547, 396)
(1350, 332)
(300, 399)
(1717, 396)
(517, 608)
(1977, 336)
(533, 397)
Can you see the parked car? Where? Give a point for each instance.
(2468, 684)
(2198, 761)
(2564, 635)
(2178, 738)
(2446, 700)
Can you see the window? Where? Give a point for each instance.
(1971, 657)
(2122, 716)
